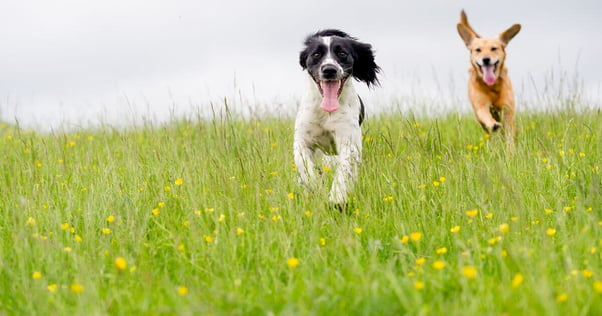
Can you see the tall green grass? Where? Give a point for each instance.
(208, 218)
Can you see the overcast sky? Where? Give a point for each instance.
(71, 63)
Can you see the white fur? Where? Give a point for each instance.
(328, 60)
(337, 133)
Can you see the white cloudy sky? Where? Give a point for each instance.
(72, 63)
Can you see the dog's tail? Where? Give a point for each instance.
(464, 20)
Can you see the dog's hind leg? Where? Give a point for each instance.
(509, 127)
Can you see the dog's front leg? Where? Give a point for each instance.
(349, 147)
(304, 163)
(483, 114)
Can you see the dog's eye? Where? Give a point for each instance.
(316, 55)
(493, 49)
(342, 54)
(478, 50)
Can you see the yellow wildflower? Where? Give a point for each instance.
(182, 290)
(178, 181)
(598, 286)
(504, 228)
(420, 261)
(517, 280)
(419, 285)
(292, 262)
(562, 297)
(77, 288)
(472, 213)
(587, 273)
(357, 230)
(404, 239)
(551, 231)
(106, 231)
(441, 251)
(36, 275)
(416, 236)
(52, 287)
(120, 263)
(455, 229)
(438, 265)
(469, 272)
(110, 219)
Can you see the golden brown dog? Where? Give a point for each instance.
(489, 87)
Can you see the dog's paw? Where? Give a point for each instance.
(341, 207)
(496, 127)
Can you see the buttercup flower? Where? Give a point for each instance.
(469, 272)
(416, 236)
(292, 262)
(517, 280)
(438, 265)
(182, 290)
(120, 263)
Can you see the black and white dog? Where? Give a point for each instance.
(331, 112)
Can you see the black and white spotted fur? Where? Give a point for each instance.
(333, 57)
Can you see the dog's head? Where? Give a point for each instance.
(331, 57)
(487, 55)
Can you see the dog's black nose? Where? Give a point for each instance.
(329, 71)
(486, 61)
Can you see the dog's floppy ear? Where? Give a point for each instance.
(303, 58)
(364, 67)
(510, 33)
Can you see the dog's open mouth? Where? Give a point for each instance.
(330, 90)
(488, 72)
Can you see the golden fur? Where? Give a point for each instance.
(491, 93)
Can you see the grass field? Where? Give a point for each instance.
(207, 218)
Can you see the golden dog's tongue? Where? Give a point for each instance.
(488, 75)
(330, 91)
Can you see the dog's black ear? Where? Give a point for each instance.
(364, 67)
(303, 59)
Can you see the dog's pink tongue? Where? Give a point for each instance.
(330, 90)
(488, 75)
